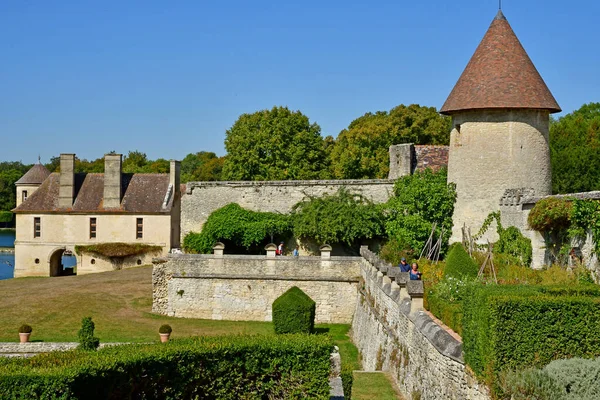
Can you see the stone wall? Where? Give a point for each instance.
(491, 151)
(202, 198)
(237, 287)
(394, 334)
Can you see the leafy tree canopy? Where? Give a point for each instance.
(201, 166)
(361, 150)
(575, 150)
(239, 226)
(10, 172)
(419, 201)
(276, 144)
(343, 217)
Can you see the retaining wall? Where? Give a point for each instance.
(394, 334)
(238, 287)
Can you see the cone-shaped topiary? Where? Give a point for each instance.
(459, 264)
(87, 340)
(294, 312)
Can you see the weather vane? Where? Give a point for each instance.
(499, 4)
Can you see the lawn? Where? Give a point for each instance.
(373, 386)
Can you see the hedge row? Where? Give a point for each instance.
(231, 367)
(294, 312)
(513, 327)
(450, 314)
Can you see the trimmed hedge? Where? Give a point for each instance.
(459, 264)
(513, 327)
(231, 367)
(294, 312)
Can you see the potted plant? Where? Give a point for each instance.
(24, 333)
(165, 332)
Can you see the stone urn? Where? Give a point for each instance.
(165, 332)
(24, 337)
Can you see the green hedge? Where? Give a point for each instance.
(449, 313)
(294, 312)
(232, 367)
(513, 327)
(459, 264)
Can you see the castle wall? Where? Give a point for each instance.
(491, 151)
(202, 198)
(239, 287)
(420, 355)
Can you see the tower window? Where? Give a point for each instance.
(139, 228)
(37, 227)
(92, 228)
(24, 195)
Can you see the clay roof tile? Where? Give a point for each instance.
(500, 75)
(35, 176)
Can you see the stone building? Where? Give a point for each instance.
(500, 109)
(69, 209)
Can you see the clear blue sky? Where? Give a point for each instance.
(170, 77)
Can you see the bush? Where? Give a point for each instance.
(25, 328)
(419, 201)
(514, 327)
(344, 217)
(242, 227)
(393, 251)
(6, 216)
(87, 340)
(459, 264)
(347, 381)
(166, 328)
(231, 367)
(569, 379)
(551, 214)
(513, 244)
(294, 312)
(117, 249)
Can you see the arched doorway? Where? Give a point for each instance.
(62, 263)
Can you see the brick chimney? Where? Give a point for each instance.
(112, 180)
(66, 190)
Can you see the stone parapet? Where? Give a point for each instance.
(394, 336)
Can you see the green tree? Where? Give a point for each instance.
(362, 150)
(419, 201)
(135, 162)
(201, 166)
(276, 144)
(575, 150)
(344, 217)
(10, 172)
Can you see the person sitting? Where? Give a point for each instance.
(404, 267)
(415, 275)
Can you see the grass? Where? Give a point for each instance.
(373, 386)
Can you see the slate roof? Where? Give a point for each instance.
(35, 176)
(500, 75)
(142, 193)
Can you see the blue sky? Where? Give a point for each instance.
(169, 78)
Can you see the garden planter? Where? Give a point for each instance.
(164, 337)
(24, 337)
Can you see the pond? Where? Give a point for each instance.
(7, 260)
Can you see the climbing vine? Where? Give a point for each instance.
(585, 215)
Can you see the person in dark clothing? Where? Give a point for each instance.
(404, 267)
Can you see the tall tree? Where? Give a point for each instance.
(575, 150)
(201, 166)
(361, 150)
(276, 144)
(10, 172)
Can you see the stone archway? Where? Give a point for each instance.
(55, 263)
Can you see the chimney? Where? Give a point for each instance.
(402, 158)
(175, 177)
(66, 189)
(112, 180)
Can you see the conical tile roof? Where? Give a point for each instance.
(35, 176)
(500, 75)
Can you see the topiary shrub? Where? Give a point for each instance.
(87, 340)
(166, 328)
(459, 264)
(294, 312)
(25, 328)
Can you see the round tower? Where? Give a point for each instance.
(500, 109)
